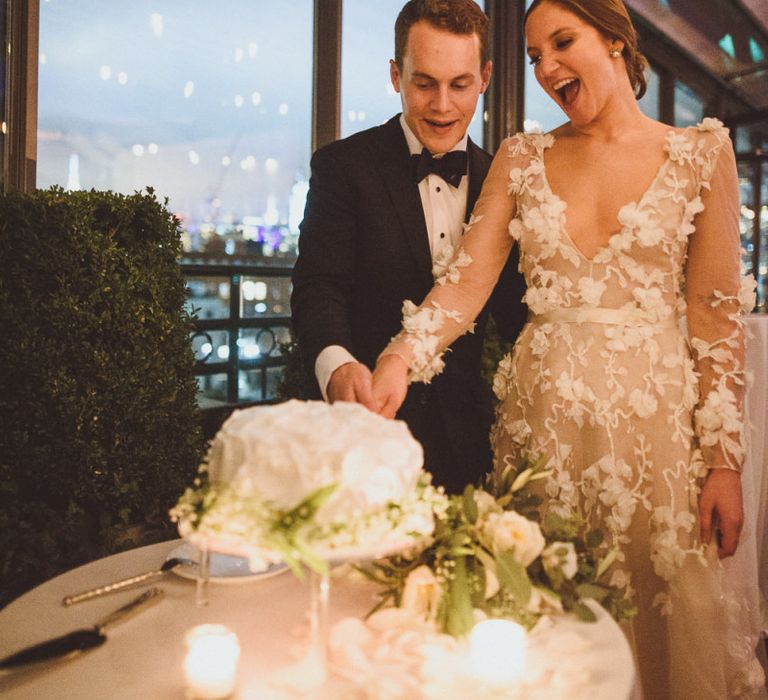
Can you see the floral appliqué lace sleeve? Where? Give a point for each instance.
(464, 283)
(716, 298)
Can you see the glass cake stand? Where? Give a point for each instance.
(315, 664)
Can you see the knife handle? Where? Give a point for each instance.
(109, 588)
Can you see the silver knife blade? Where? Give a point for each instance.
(148, 597)
(78, 641)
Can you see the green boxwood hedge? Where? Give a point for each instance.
(99, 426)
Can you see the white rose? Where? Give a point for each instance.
(485, 503)
(561, 555)
(511, 532)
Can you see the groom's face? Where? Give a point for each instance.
(439, 83)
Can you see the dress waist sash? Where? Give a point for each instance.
(610, 317)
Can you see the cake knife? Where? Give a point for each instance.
(80, 640)
(168, 565)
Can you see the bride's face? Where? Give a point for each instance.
(571, 61)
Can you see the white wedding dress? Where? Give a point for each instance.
(628, 379)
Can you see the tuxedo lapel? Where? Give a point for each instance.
(392, 159)
(478, 163)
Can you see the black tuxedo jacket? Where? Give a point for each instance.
(363, 249)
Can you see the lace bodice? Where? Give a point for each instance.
(627, 381)
(673, 260)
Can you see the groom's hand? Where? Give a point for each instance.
(352, 382)
(390, 384)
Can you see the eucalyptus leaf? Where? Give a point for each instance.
(592, 590)
(513, 577)
(606, 562)
(460, 618)
(521, 480)
(584, 613)
(470, 506)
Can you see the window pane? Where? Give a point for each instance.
(751, 137)
(3, 91)
(265, 296)
(689, 107)
(541, 112)
(208, 297)
(762, 277)
(747, 178)
(209, 103)
(649, 102)
(367, 96)
(212, 390)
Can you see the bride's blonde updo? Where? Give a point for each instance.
(611, 19)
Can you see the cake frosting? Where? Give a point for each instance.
(267, 460)
(283, 453)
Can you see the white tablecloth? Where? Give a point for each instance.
(143, 655)
(755, 479)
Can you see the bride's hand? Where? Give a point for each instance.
(720, 506)
(390, 384)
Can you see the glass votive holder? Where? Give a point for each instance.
(497, 651)
(210, 666)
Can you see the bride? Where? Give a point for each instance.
(629, 375)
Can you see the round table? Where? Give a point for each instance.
(143, 655)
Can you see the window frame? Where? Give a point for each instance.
(19, 163)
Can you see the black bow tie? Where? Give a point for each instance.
(451, 167)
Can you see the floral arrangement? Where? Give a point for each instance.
(494, 557)
(304, 482)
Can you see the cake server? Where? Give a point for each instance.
(80, 640)
(168, 565)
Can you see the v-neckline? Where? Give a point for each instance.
(638, 202)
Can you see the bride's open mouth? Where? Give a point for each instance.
(567, 90)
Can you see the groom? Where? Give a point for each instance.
(381, 212)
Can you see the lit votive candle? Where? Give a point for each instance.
(497, 651)
(210, 667)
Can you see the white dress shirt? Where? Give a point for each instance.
(444, 210)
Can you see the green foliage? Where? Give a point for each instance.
(494, 349)
(463, 559)
(100, 426)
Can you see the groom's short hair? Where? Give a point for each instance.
(456, 16)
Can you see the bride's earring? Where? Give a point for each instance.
(614, 53)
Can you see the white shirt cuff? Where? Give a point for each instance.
(327, 362)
